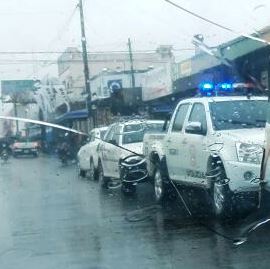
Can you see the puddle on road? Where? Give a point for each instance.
(142, 214)
(15, 255)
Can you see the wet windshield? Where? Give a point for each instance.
(134, 133)
(238, 114)
(133, 137)
(105, 183)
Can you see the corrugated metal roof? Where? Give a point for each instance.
(231, 50)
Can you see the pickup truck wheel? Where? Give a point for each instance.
(103, 181)
(160, 187)
(222, 196)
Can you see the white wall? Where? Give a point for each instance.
(157, 83)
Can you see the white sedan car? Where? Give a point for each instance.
(87, 155)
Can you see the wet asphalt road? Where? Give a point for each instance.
(50, 218)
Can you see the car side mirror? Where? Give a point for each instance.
(194, 127)
(113, 142)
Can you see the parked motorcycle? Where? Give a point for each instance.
(64, 153)
(4, 156)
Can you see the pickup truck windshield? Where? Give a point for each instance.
(228, 115)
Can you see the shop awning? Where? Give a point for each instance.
(77, 114)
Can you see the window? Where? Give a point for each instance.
(116, 134)
(198, 115)
(133, 137)
(180, 118)
(229, 115)
(133, 127)
(109, 134)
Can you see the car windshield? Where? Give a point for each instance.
(154, 126)
(134, 134)
(133, 137)
(133, 127)
(238, 114)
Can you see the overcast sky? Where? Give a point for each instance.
(47, 25)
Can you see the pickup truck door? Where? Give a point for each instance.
(195, 152)
(175, 142)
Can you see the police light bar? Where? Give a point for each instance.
(206, 86)
(226, 86)
(243, 85)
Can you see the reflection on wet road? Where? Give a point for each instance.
(50, 218)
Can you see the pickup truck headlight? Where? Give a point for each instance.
(249, 153)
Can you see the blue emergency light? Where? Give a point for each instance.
(206, 86)
(210, 89)
(225, 86)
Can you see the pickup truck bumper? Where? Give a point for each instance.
(243, 177)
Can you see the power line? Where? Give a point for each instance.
(49, 62)
(215, 23)
(64, 27)
(56, 38)
(79, 52)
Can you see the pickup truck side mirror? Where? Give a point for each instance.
(113, 142)
(194, 127)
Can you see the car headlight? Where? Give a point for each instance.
(249, 153)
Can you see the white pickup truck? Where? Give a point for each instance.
(123, 139)
(213, 143)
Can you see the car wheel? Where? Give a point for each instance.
(103, 181)
(93, 175)
(222, 196)
(160, 187)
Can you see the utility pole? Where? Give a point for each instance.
(85, 63)
(16, 115)
(131, 64)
